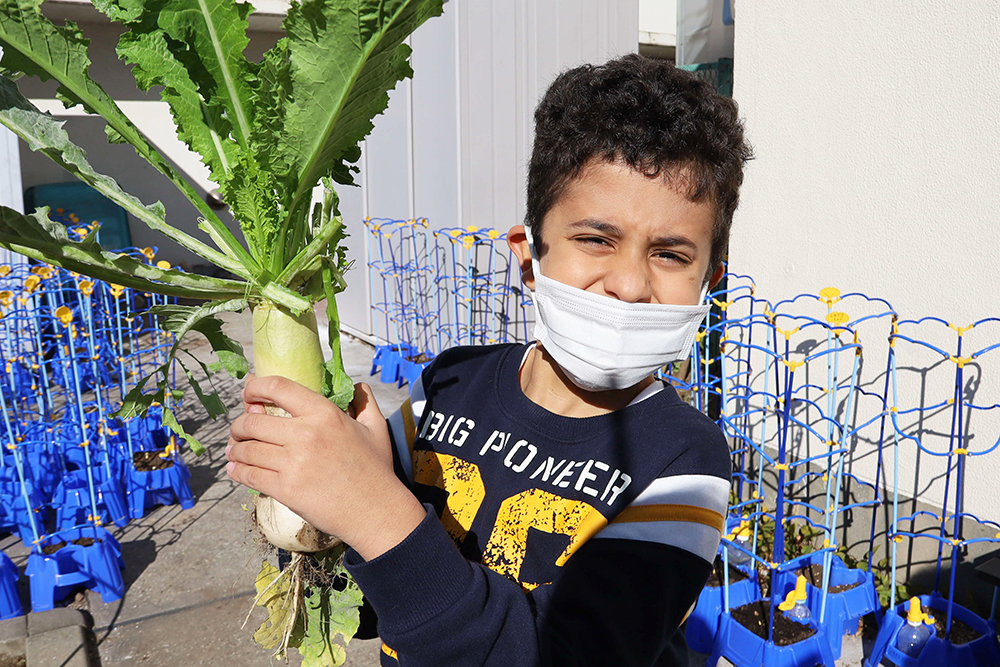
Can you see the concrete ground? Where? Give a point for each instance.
(189, 574)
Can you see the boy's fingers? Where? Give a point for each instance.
(258, 454)
(287, 394)
(261, 426)
(258, 479)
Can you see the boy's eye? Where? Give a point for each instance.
(596, 240)
(672, 256)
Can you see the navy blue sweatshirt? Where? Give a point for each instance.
(548, 540)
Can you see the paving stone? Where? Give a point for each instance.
(14, 628)
(61, 647)
(53, 619)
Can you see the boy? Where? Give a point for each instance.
(552, 503)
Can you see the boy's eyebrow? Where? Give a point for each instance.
(616, 231)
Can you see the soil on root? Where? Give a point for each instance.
(756, 616)
(716, 579)
(961, 633)
(147, 461)
(814, 575)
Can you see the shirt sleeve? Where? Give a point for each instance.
(617, 601)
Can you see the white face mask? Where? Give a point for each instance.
(604, 343)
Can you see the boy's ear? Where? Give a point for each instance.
(716, 276)
(517, 240)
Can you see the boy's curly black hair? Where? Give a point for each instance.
(654, 117)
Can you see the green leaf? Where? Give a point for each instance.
(33, 45)
(209, 36)
(275, 600)
(331, 619)
(344, 58)
(37, 236)
(182, 319)
(212, 402)
(205, 130)
(170, 421)
(251, 194)
(44, 133)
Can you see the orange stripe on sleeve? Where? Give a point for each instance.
(688, 513)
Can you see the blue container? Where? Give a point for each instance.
(72, 500)
(409, 371)
(843, 610)
(149, 488)
(981, 652)
(10, 603)
(96, 566)
(703, 623)
(745, 649)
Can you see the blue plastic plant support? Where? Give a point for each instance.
(91, 558)
(10, 603)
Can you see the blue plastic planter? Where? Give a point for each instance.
(10, 603)
(703, 623)
(745, 649)
(97, 566)
(843, 610)
(72, 500)
(158, 487)
(981, 652)
(409, 371)
(390, 358)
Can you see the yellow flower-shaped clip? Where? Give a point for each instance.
(162, 264)
(6, 298)
(149, 253)
(44, 272)
(116, 290)
(65, 315)
(87, 287)
(31, 283)
(4, 270)
(493, 234)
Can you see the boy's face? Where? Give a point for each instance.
(621, 234)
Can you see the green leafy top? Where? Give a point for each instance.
(269, 132)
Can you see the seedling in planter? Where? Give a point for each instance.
(269, 132)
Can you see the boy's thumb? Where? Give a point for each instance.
(363, 406)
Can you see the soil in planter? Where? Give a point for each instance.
(147, 461)
(716, 578)
(814, 575)
(50, 549)
(961, 633)
(420, 358)
(12, 660)
(756, 616)
(85, 541)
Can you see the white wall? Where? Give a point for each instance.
(878, 157)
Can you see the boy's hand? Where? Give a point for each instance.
(331, 468)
